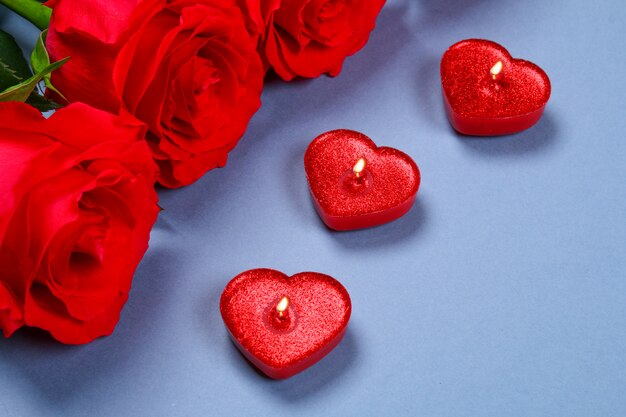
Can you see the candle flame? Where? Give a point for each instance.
(496, 69)
(282, 306)
(359, 166)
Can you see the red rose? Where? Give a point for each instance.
(187, 68)
(77, 207)
(308, 38)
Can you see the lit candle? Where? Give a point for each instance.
(283, 324)
(495, 70)
(355, 184)
(281, 308)
(487, 92)
(358, 167)
(357, 180)
(280, 317)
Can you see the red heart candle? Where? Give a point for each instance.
(355, 184)
(285, 324)
(487, 92)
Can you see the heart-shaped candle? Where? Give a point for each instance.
(487, 92)
(285, 324)
(355, 184)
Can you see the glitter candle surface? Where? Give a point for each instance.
(285, 324)
(355, 184)
(487, 92)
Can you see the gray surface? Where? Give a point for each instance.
(502, 293)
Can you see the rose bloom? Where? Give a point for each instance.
(187, 68)
(77, 206)
(308, 38)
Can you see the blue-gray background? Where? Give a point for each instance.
(502, 293)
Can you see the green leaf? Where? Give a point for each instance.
(13, 66)
(40, 60)
(22, 91)
(42, 103)
(32, 10)
(17, 82)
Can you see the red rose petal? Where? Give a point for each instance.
(308, 38)
(77, 221)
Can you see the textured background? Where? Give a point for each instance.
(502, 293)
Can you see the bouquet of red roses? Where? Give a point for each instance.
(145, 91)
